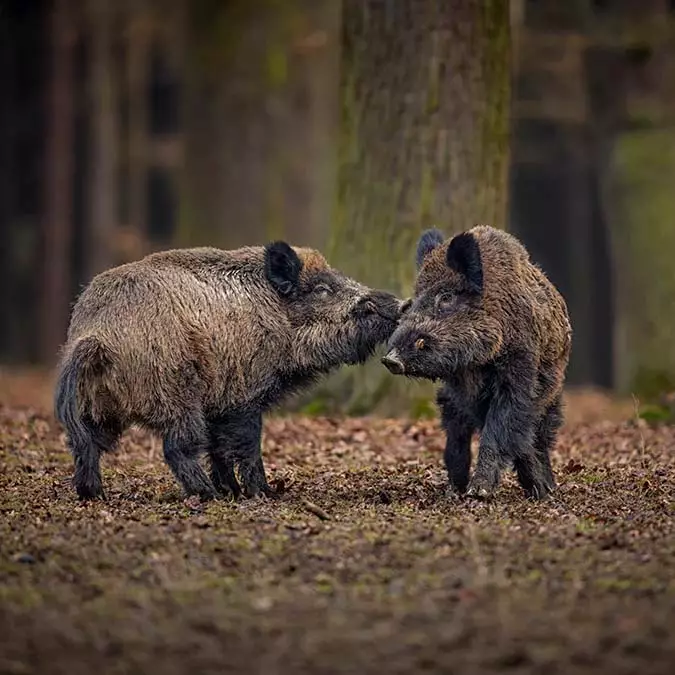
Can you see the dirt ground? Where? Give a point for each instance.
(364, 566)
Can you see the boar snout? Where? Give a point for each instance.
(404, 306)
(393, 362)
(365, 305)
(386, 305)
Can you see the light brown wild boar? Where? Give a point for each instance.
(196, 344)
(487, 322)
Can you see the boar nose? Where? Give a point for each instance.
(393, 362)
(404, 305)
(366, 304)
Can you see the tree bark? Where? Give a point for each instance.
(260, 114)
(104, 141)
(138, 70)
(425, 116)
(639, 185)
(57, 227)
(7, 114)
(426, 98)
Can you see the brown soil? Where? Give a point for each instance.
(364, 566)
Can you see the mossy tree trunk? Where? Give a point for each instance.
(640, 187)
(425, 88)
(103, 193)
(139, 25)
(425, 95)
(57, 225)
(260, 115)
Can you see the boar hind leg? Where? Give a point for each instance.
(254, 480)
(182, 446)
(87, 442)
(545, 438)
(507, 437)
(249, 455)
(221, 459)
(222, 473)
(531, 475)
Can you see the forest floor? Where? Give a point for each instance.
(364, 566)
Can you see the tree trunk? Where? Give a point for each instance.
(7, 189)
(138, 71)
(640, 187)
(104, 141)
(57, 232)
(425, 102)
(260, 112)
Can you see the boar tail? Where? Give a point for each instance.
(82, 368)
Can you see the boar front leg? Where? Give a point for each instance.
(458, 429)
(508, 434)
(236, 441)
(222, 463)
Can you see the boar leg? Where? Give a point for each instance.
(238, 442)
(182, 446)
(457, 455)
(251, 467)
(254, 480)
(221, 458)
(545, 438)
(530, 475)
(222, 473)
(87, 442)
(508, 434)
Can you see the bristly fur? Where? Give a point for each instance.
(487, 322)
(196, 344)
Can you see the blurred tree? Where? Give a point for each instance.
(57, 228)
(104, 144)
(425, 89)
(640, 182)
(7, 69)
(593, 160)
(25, 43)
(425, 104)
(139, 34)
(258, 117)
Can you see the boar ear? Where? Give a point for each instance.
(427, 243)
(282, 267)
(463, 256)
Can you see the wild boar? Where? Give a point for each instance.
(196, 344)
(488, 323)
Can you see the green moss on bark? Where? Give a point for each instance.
(425, 125)
(642, 183)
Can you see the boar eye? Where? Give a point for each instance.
(445, 304)
(322, 290)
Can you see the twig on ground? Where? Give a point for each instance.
(316, 510)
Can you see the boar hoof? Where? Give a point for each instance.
(90, 494)
(539, 492)
(479, 491)
(205, 495)
(228, 487)
(92, 498)
(271, 492)
(455, 494)
(264, 490)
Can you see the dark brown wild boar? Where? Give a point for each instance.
(196, 344)
(487, 322)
